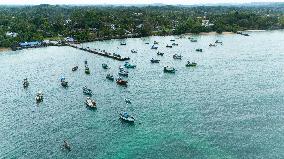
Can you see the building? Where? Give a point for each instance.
(69, 39)
(11, 34)
(206, 23)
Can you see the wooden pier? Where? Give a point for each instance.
(102, 53)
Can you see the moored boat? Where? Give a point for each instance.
(87, 70)
(160, 53)
(128, 65)
(172, 40)
(193, 40)
(110, 77)
(87, 91)
(169, 46)
(190, 64)
(39, 97)
(199, 50)
(156, 42)
(174, 44)
(66, 146)
(168, 69)
(75, 68)
(105, 66)
(122, 43)
(133, 51)
(218, 42)
(154, 61)
(176, 56)
(26, 83)
(127, 101)
(123, 73)
(126, 117)
(154, 47)
(212, 45)
(90, 103)
(120, 81)
(64, 83)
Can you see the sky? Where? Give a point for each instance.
(187, 2)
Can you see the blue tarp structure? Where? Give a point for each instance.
(30, 44)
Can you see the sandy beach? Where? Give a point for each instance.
(211, 33)
(4, 49)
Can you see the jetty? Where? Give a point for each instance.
(101, 53)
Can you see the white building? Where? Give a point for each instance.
(11, 34)
(206, 23)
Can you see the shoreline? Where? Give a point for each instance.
(211, 33)
(2, 49)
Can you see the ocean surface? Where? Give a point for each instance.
(230, 106)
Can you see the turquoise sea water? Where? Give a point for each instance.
(229, 106)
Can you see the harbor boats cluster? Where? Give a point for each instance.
(122, 74)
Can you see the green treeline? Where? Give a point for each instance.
(87, 23)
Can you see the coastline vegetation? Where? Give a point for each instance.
(89, 23)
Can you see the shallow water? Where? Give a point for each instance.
(229, 106)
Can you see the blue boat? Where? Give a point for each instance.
(154, 47)
(126, 117)
(128, 65)
(87, 91)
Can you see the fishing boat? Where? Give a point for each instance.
(120, 81)
(174, 44)
(176, 56)
(169, 46)
(39, 97)
(154, 47)
(26, 83)
(122, 43)
(126, 117)
(128, 65)
(218, 42)
(66, 146)
(199, 50)
(87, 70)
(64, 83)
(87, 91)
(105, 66)
(190, 64)
(168, 69)
(133, 51)
(212, 45)
(90, 103)
(127, 101)
(154, 61)
(123, 73)
(75, 68)
(193, 40)
(160, 53)
(110, 77)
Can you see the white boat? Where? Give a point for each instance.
(126, 117)
(39, 97)
(90, 103)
